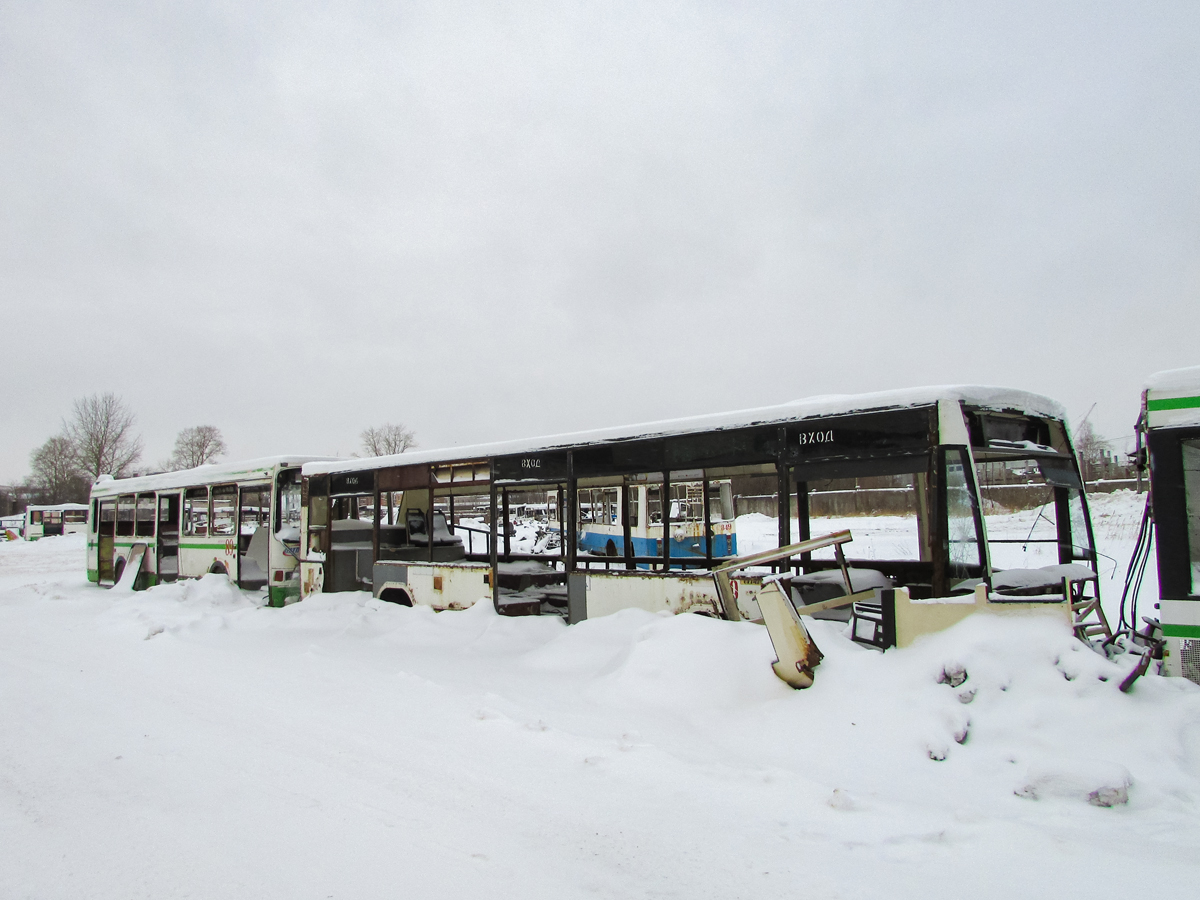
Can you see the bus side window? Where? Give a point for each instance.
(145, 515)
(1190, 453)
(195, 512)
(224, 509)
(126, 504)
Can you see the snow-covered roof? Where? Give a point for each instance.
(1173, 398)
(826, 405)
(209, 474)
(1175, 380)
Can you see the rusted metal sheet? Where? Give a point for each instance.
(403, 478)
(519, 607)
(796, 653)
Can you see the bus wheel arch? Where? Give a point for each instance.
(396, 595)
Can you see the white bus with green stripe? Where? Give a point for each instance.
(50, 521)
(1170, 423)
(239, 519)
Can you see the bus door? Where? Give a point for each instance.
(254, 535)
(168, 537)
(106, 535)
(52, 522)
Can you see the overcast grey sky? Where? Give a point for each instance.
(491, 220)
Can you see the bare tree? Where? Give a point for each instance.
(196, 446)
(1091, 448)
(387, 439)
(56, 475)
(101, 431)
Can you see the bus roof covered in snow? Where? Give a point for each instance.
(1172, 398)
(228, 471)
(978, 396)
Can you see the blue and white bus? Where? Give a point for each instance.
(693, 506)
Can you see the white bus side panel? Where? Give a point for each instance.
(675, 592)
(198, 555)
(449, 585)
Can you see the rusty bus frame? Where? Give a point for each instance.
(938, 435)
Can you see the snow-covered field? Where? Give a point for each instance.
(184, 742)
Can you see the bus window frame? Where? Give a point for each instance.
(190, 517)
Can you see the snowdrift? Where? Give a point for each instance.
(186, 740)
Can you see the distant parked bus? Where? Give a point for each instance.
(12, 527)
(49, 521)
(240, 519)
(697, 509)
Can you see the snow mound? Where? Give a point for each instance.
(1097, 781)
(205, 604)
(212, 592)
(691, 662)
(371, 744)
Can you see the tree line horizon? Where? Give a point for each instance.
(98, 438)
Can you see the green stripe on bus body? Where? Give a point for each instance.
(1173, 403)
(214, 545)
(1181, 631)
(216, 542)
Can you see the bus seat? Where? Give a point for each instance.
(416, 524)
(825, 584)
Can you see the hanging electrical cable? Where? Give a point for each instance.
(1137, 569)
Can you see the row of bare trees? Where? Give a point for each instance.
(99, 439)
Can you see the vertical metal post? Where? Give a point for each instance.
(626, 528)
(375, 529)
(784, 491)
(562, 525)
(429, 515)
(938, 543)
(1062, 519)
(571, 523)
(803, 522)
(493, 546)
(708, 534)
(666, 521)
(504, 507)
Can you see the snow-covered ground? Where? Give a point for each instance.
(186, 742)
